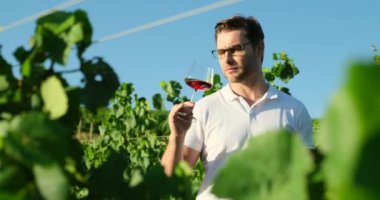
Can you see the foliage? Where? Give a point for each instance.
(376, 56)
(216, 85)
(173, 91)
(283, 69)
(39, 111)
(350, 137)
(267, 173)
(346, 167)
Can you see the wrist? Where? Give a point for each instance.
(177, 137)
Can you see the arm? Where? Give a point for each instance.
(180, 118)
(305, 128)
(176, 151)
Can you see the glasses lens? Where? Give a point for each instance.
(235, 50)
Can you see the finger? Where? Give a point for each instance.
(185, 118)
(182, 114)
(182, 119)
(188, 104)
(184, 109)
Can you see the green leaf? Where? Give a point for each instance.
(158, 102)
(274, 56)
(278, 172)
(350, 137)
(21, 54)
(55, 45)
(33, 138)
(54, 97)
(71, 118)
(376, 58)
(57, 22)
(107, 182)
(136, 178)
(82, 19)
(53, 30)
(7, 81)
(4, 127)
(269, 76)
(283, 68)
(216, 85)
(157, 185)
(57, 33)
(3, 83)
(51, 181)
(6, 76)
(101, 83)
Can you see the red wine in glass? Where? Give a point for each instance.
(197, 84)
(200, 84)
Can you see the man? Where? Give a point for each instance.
(221, 123)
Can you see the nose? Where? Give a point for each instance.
(229, 58)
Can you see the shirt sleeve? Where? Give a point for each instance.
(305, 127)
(194, 137)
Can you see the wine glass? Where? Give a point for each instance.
(200, 77)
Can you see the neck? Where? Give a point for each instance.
(250, 90)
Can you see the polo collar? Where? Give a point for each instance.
(272, 93)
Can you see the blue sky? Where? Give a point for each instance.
(321, 36)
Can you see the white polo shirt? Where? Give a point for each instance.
(224, 122)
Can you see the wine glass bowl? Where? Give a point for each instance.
(200, 78)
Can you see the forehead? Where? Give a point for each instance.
(227, 38)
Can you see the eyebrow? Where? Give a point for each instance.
(238, 44)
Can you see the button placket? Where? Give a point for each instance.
(252, 120)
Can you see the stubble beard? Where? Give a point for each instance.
(243, 75)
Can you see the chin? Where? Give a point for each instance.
(232, 79)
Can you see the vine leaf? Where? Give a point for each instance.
(278, 172)
(34, 138)
(51, 181)
(54, 97)
(101, 83)
(350, 137)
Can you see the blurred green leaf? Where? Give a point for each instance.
(173, 91)
(21, 54)
(158, 102)
(268, 75)
(51, 181)
(71, 118)
(157, 185)
(7, 81)
(284, 69)
(101, 83)
(6, 75)
(350, 137)
(274, 56)
(107, 181)
(34, 138)
(54, 97)
(278, 172)
(82, 19)
(216, 85)
(57, 22)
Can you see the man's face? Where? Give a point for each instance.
(243, 66)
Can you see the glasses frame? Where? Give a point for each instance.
(231, 50)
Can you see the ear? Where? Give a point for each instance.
(260, 45)
(260, 48)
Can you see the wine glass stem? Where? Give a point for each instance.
(192, 96)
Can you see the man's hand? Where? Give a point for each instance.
(180, 118)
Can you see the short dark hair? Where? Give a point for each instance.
(238, 22)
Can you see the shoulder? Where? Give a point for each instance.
(288, 100)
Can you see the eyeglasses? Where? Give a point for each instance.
(234, 50)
